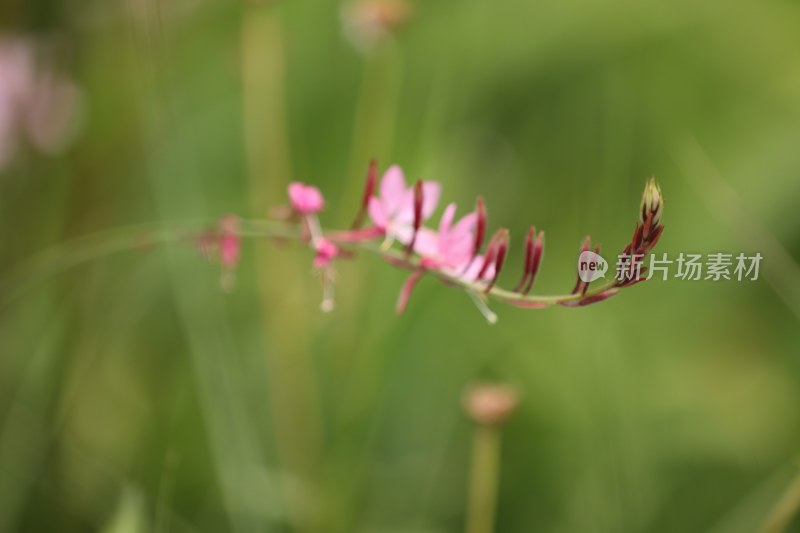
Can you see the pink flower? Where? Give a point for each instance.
(451, 249)
(36, 104)
(326, 252)
(452, 245)
(229, 241)
(305, 199)
(369, 22)
(393, 209)
(230, 244)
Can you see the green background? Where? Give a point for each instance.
(136, 396)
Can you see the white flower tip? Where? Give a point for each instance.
(326, 306)
(491, 318)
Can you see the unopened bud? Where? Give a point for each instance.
(652, 203)
(368, 22)
(480, 226)
(489, 404)
(500, 256)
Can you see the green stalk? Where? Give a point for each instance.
(375, 114)
(484, 477)
(294, 398)
(784, 510)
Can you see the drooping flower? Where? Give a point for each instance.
(326, 251)
(230, 243)
(393, 209)
(305, 199)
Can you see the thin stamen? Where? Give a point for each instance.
(479, 302)
(328, 303)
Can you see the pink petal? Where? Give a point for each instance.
(393, 189)
(377, 213)
(305, 199)
(457, 246)
(466, 225)
(403, 233)
(427, 243)
(229, 247)
(53, 112)
(404, 214)
(447, 220)
(229, 241)
(431, 191)
(475, 268)
(405, 292)
(457, 253)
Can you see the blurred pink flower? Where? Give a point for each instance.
(53, 106)
(16, 75)
(229, 241)
(305, 199)
(326, 252)
(36, 104)
(230, 244)
(393, 209)
(369, 22)
(490, 404)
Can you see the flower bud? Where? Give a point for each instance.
(528, 261)
(369, 190)
(326, 251)
(480, 226)
(489, 404)
(652, 203)
(305, 199)
(368, 22)
(500, 256)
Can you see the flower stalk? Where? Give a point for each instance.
(488, 406)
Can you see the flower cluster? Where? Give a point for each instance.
(394, 221)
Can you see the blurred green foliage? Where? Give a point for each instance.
(136, 396)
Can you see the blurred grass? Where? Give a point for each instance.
(135, 396)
